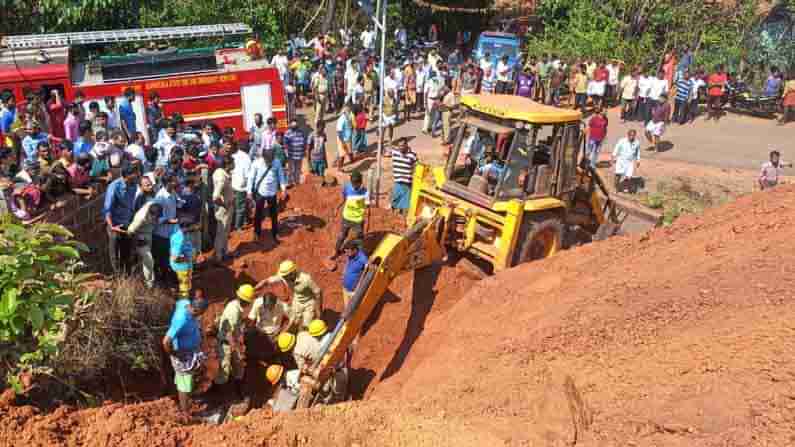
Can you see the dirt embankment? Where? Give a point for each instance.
(681, 337)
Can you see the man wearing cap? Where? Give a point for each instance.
(306, 345)
(182, 343)
(230, 338)
(307, 298)
(307, 350)
(283, 381)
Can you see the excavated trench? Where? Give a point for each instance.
(310, 223)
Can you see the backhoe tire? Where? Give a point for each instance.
(540, 237)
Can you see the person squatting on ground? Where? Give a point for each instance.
(772, 170)
(182, 343)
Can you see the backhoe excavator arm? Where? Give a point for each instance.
(419, 247)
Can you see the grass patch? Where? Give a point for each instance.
(678, 196)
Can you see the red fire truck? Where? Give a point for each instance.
(226, 86)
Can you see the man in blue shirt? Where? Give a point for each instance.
(34, 136)
(266, 177)
(127, 114)
(354, 268)
(119, 210)
(167, 198)
(8, 111)
(85, 142)
(181, 260)
(183, 343)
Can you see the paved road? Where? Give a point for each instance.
(736, 141)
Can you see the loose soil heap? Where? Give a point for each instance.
(679, 337)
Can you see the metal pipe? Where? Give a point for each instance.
(382, 5)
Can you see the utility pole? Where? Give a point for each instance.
(382, 5)
(329, 18)
(379, 18)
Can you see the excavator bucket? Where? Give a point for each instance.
(610, 210)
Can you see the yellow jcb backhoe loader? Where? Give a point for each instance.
(512, 187)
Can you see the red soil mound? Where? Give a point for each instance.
(680, 337)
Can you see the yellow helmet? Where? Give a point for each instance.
(285, 341)
(286, 267)
(246, 292)
(317, 328)
(274, 373)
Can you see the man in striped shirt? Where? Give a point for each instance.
(295, 140)
(684, 88)
(403, 161)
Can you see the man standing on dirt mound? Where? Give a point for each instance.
(230, 339)
(182, 343)
(307, 298)
(356, 199)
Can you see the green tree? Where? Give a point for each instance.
(39, 287)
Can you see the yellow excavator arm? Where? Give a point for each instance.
(418, 247)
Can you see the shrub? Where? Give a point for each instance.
(119, 328)
(39, 285)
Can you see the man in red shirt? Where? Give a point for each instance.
(716, 83)
(597, 131)
(600, 77)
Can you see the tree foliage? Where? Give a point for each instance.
(39, 288)
(641, 31)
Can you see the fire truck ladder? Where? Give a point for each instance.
(33, 41)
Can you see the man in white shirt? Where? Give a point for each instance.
(503, 76)
(626, 156)
(422, 75)
(368, 39)
(644, 85)
(613, 72)
(658, 86)
(433, 97)
(242, 166)
(281, 63)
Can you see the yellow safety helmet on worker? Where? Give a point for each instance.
(317, 328)
(246, 293)
(286, 268)
(285, 341)
(274, 373)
